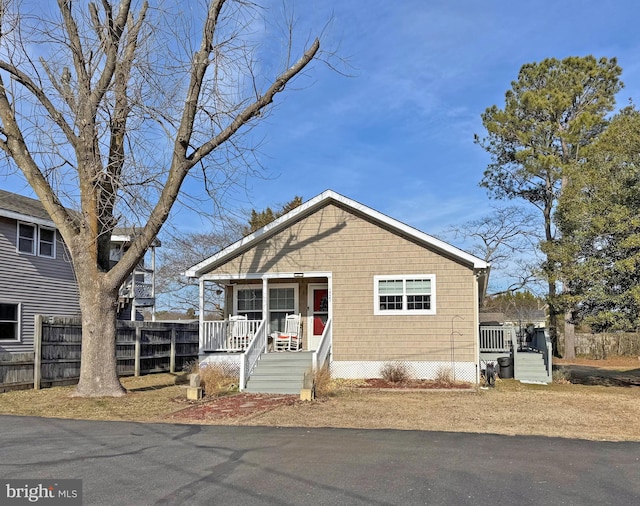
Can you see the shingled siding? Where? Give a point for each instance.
(42, 285)
(354, 250)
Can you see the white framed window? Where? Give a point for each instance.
(47, 242)
(34, 240)
(404, 294)
(283, 300)
(9, 321)
(27, 236)
(248, 301)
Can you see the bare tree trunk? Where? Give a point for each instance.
(102, 72)
(553, 320)
(569, 337)
(98, 372)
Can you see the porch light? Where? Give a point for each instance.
(298, 274)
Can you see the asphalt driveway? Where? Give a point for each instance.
(122, 463)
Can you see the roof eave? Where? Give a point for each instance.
(26, 218)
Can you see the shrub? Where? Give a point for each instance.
(444, 377)
(322, 382)
(561, 376)
(395, 372)
(217, 378)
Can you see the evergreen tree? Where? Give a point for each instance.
(599, 217)
(553, 110)
(259, 219)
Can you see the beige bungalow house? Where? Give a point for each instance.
(370, 291)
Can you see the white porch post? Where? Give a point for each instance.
(330, 296)
(476, 323)
(201, 318)
(132, 316)
(265, 306)
(153, 283)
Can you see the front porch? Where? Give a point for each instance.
(264, 303)
(528, 357)
(219, 345)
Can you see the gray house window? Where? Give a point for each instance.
(47, 243)
(26, 238)
(35, 240)
(9, 322)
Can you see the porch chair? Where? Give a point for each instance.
(290, 339)
(238, 332)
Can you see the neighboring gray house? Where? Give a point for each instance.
(37, 277)
(36, 274)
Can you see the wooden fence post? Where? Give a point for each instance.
(37, 348)
(137, 351)
(172, 358)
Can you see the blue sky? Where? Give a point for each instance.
(397, 134)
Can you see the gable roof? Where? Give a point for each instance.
(22, 208)
(308, 208)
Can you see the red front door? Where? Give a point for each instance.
(319, 296)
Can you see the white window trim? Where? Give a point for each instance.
(37, 239)
(19, 322)
(53, 247)
(404, 311)
(34, 249)
(271, 285)
(296, 304)
(237, 288)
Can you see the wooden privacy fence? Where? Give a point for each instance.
(601, 346)
(141, 348)
(16, 371)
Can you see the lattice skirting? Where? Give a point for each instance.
(460, 371)
(229, 361)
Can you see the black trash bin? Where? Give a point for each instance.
(506, 367)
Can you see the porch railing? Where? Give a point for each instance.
(250, 357)
(215, 335)
(497, 339)
(324, 347)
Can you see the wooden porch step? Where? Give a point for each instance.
(530, 366)
(280, 373)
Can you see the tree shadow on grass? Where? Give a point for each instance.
(589, 375)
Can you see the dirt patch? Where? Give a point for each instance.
(612, 372)
(241, 407)
(232, 408)
(610, 363)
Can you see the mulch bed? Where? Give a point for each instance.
(411, 384)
